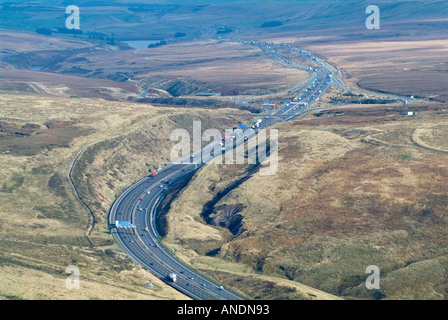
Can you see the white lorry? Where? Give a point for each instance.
(172, 277)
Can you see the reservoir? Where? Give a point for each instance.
(36, 68)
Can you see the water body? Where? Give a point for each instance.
(36, 68)
(140, 44)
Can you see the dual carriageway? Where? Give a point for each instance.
(139, 203)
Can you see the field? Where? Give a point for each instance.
(21, 52)
(412, 68)
(352, 190)
(44, 228)
(179, 69)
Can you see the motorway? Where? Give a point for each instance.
(141, 242)
(139, 203)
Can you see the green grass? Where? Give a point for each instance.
(14, 182)
(405, 156)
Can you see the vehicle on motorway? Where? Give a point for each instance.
(172, 277)
(154, 173)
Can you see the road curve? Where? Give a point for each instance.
(141, 242)
(139, 203)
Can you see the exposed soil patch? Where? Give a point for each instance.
(30, 139)
(227, 216)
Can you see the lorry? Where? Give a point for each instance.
(172, 277)
(257, 124)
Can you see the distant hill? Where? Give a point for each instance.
(171, 18)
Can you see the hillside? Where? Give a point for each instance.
(164, 19)
(86, 113)
(44, 228)
(353, 190)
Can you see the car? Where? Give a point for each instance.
(203, 284)
(191, 278)
(161, 186)
(188, 284)
(220, 288)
